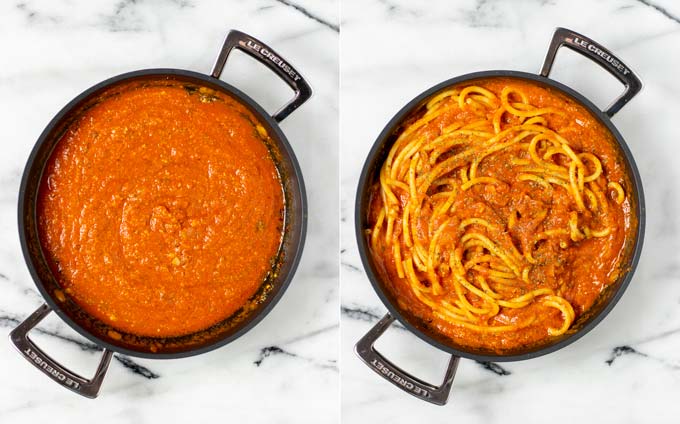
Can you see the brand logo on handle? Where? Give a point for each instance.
(280, 63)
(50, 370)
(603, 54)
(398, 379)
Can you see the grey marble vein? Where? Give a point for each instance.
(310, 334)
(359, 313)
(32, 15)
(123, 18)
(268, 351)
(309, 14)
(395, 9)
(660, 9)
(136, 368)
(620, 351)
(626, 350)
(350, 266)
(494, 368)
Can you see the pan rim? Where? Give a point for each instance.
(363, 186)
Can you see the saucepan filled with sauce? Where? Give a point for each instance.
(162, 214)
(499, 216)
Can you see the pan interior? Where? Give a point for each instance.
(250, 313)
(607, 298)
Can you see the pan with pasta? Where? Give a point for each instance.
(499, 216)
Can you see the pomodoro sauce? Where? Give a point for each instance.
(161, 209)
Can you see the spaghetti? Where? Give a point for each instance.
(501, 213)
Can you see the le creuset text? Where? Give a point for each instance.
(603, 54)
(47, 367)
(274, 58)
(401, 381)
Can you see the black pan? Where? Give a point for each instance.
(365, 347)
(295, 224)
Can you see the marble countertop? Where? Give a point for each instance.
(628, 368)
(285, 370)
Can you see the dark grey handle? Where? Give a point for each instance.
(598, 54)
(39, 359)
(438, 395)
(267, 56)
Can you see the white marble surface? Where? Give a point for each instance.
(283, 371)
(627, 370)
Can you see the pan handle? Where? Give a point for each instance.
(272, 60)
(438, 395)
(598, 54)
(58, 373)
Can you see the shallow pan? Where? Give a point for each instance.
(295, 223)
(365, 347)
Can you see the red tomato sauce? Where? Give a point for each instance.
(161, 209)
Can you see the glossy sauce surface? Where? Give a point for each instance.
(161, 209)
(577, 271)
